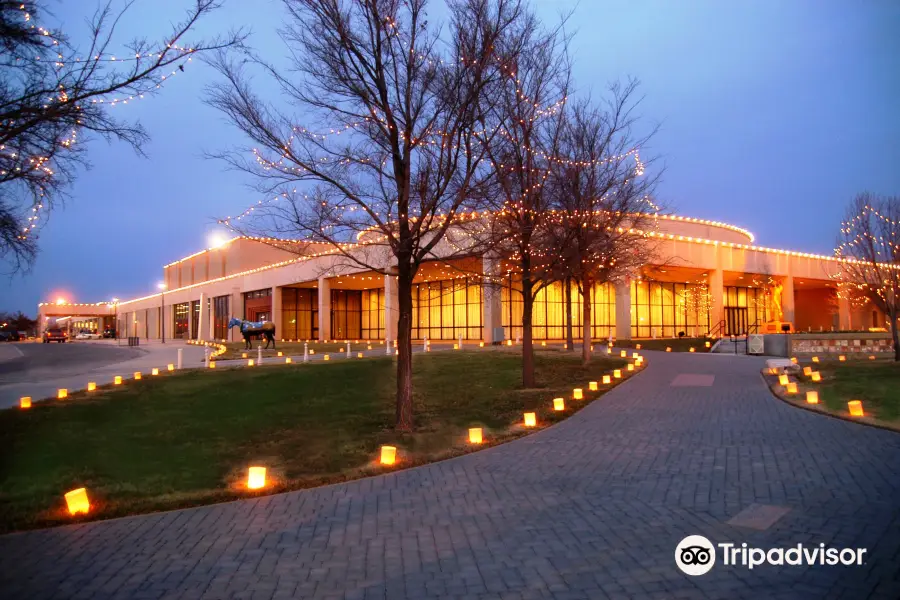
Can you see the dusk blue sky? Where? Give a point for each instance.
(773, 115)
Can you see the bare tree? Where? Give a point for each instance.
(525, 112)
(53, 94)
(870, 244)
(604, 214)
(397, 154)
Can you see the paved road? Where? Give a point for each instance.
(590, 508)
(40, 369)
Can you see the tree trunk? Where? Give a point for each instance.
(404, 349)
(527, 349)
(586, 328)
(570, 341)
(896, 335)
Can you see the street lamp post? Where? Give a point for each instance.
(115, 302)
(162, 312)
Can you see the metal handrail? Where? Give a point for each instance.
(718, 330)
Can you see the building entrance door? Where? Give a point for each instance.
(735, 321)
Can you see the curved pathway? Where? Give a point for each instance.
(590, 508)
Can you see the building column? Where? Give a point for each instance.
(623, 310)
(787, 299)
(716, 298)
(492, 305)
(200, 315)
(189, 335)
(276, 310)
(391, 308)
(844, 319)
(211, 316)
(324, 309)
(237, 311)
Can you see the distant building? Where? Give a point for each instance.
(711, 278)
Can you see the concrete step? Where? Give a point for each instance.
(727, 346)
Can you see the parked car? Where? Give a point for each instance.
(109, 333)
(9, 336)
(55, 334)
(87, 335)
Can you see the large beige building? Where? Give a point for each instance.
(709, 278)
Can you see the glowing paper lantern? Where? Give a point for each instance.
(368, 347)
(77, 501)
(630, 367)
(617, 374)
(816, 376)
(592, 385)
(91, 386)
(117, 380)
(359, 355)
(708, 344)
(481, 344)
(691, 349)
(256, 478)
(871, 357)
(312, 351)
(856, 409)
(170, 367)
(783, 379)
(638, 346)
(543, 343)
(243, 355)
(812, 397)
(250, 362)
(155, 371)
(62, 393)
(773, 370)
(578, 394)
(607, 379)
(288, 360)
(25, 402)
(212, 364)
(623, 353)
(559, 404)
(456, 346)
(794, 360)
(565, 346)
(668, 349)
(815, 359)
(807, 371)
(279, 353)
(634, 355)
(137, 375)
(326, 357)
(792, 388)
(842, 358)
(388, 455)
(509, 342)
(530, 419)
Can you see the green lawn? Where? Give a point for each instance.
(875, 383)
(188, 438)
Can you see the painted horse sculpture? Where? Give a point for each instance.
(250, 328)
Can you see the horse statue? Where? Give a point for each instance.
(248, 328)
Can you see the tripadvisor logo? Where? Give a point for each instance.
(696, 555)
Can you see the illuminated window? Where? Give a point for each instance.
(548, 320)
(299, 314)
(446, 310)
(372, 314)
(664, 309)
(220, 317)
(181, 319)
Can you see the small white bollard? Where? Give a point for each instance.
(305, 352)
(348, 348)
(259, 354)
(425, 344)
(180, 356)
(460, 342)
(206, 355)
(387, 349)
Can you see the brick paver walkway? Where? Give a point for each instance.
(591, 508)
